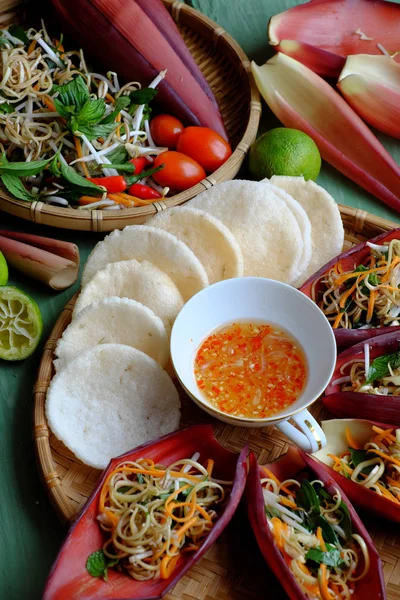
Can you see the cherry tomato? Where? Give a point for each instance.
(206, 146)
(180, 171)
(165, 130)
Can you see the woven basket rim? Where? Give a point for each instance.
(359, 220)
(93, 220)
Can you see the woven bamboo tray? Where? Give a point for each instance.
(233, 568)
(227, 70)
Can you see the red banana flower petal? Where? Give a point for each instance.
(69, 579)
(290, 466)
(161, 18)
(336, 443)
(53, 262)
(125, 40)
(358, 405)
(350, 260)
(302, 100)
(329, 30)
(371, 85)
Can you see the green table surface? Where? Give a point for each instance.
(30, 534)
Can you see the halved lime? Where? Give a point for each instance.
(21, 324)
(3, 270)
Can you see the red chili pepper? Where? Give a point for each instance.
(144, 192)
(140, 164)
(114, 184)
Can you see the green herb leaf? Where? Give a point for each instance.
(380, 366)
(6, 108)
(131, 179)
(118, 156)
(18, 32)
(22, 169)
(373, 279)
(119, 105)
(72, 96)
(15, 186)
(360, 269)
(357, 456)
(79, 183)
(91, 112)
(124, 489)
(143, 96)
(92, 132)
(307, 498)
(96, 564)
(328, 533)
(4, 41)
(331, 557)
(140, 478)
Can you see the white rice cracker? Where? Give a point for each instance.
(140, 281)
(305, 227)
(109, 400)
(214, 245)
(159, 247)
(327, 233)
(114, 321)
(265, 228)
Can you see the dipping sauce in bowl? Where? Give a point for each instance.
(251, 370)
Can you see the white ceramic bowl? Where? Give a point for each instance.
(259, 300)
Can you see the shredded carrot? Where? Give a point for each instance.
(118, 120)
(79, 152)
(321, 539)
(270, 474)
(340, 464)
(323, 583)
(176, 493)
(303, 567)
(348, 293)
(113, 518)
(371, 304)
(391, 481)
(210, 466)
(337, 321)
(122, 199)
(343, 454)
(179, 533)
(168, 565)
(172, 505)
(277, 525)
(32, 46)
(388, 273)
(157, 555)
(383, 435)
(351, 441)
(110, 98)
(49, 103)
(387, 493)
(286, 502)
(357, 274)
(383, 455)
(203, 512)
(84, 200)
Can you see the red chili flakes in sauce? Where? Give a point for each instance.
(250, 370)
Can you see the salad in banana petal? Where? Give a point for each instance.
(309, 533)
(359, 290)
(364, 458)
(366, 381)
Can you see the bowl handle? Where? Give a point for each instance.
(308, 436)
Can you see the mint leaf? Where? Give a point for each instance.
(118, 156)
(125, 168)
(15, 186)
(96, 564)
(92, 132)
(143, 96)
(71, 96)
(119, 105)
(18, 32)
(91, 112)
(380, 366)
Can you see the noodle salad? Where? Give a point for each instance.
(70, 136)
(367, 296)
(374, 465)
(151, 514)
(313, 532)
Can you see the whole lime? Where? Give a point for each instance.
(283, 151)
(3, 270)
